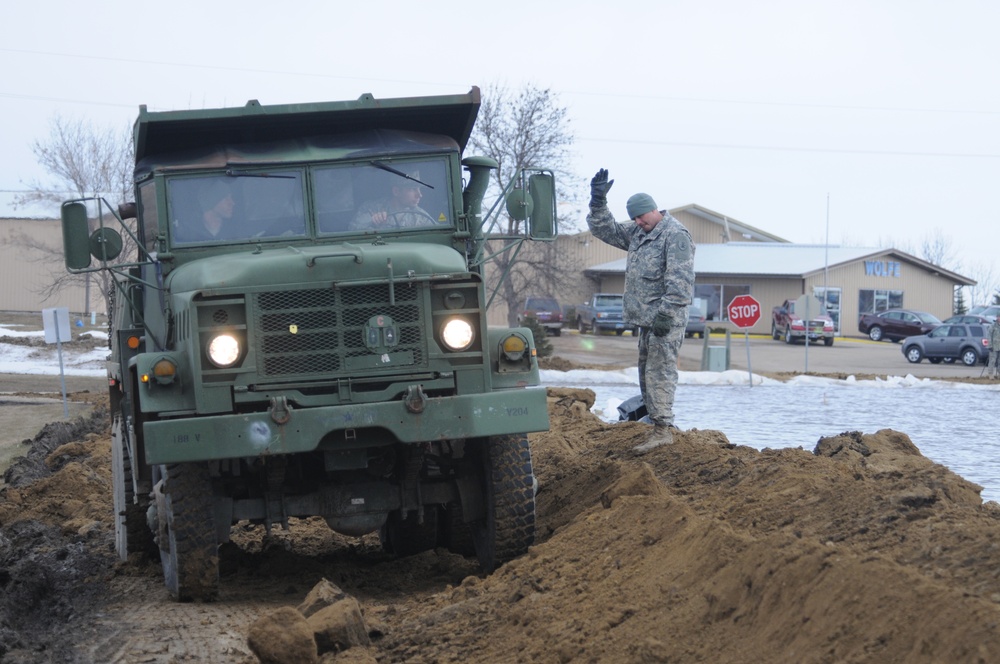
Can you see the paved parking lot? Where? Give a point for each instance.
(846, 356)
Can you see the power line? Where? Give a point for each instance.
(585, 93)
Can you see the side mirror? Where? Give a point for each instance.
(76, 236)
(79, 244)
(519, 204)
(105, 244)
(542, 219)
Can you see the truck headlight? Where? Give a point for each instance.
(457, 334)
(224, 350)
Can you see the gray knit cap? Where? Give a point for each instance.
(639, 204)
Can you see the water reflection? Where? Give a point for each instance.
(950, 426)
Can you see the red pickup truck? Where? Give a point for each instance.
(785, 324)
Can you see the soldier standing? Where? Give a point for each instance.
(659, 281)
(995, 348)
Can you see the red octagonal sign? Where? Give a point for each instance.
(744, 311)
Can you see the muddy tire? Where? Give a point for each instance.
(407, 537)
(132, 533)
(188, 543)
(508, 528)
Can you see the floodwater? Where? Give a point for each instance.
(952, 424)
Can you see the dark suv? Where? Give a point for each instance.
(968, 343)
(545, 310)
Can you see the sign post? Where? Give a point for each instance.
(744, 312)
(57, 330)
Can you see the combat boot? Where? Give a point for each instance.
(661, 434)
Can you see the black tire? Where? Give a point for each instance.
(914, 354)
(580, 326)
(190, 554)
(509, 526)
(788, 336)
(875, 334)
(556, 332)
(407, 537)
(619, 332)
(132, 533)
(593, 327)
(969, 357)
(828, 341)
(774, 332)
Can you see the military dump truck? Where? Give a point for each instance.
(301, 331)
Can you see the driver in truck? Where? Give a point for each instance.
(401, 209)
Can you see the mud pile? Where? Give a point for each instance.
(855, 548)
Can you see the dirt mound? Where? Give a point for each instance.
(861, 550)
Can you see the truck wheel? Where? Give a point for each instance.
(407, 537)
(580, 327)
(774, 332)
(619, 332)
(788, 336)
(828, 341)
(132, 534)
(189, 549)
(509, 526)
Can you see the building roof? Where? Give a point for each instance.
(780, 259)
(732, 229)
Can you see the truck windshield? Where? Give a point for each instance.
(235, 206)
(382, 196)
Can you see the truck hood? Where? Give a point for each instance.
(334, 263)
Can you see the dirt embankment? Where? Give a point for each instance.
(859, 551)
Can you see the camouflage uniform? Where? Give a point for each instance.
(396, 218)
(659, 278)
(995, 348)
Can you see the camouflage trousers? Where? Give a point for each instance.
(994, 364)
(658, 372)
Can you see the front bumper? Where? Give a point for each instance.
(344, 426)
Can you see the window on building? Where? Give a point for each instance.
(872, 301)
(831, 302)
(714, 299)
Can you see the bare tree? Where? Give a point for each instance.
(526, 128)
(987, 283)
(936, 248)
(85, 160)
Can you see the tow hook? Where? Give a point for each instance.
(415, 399)
(281, 412)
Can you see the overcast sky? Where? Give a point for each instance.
(762, 112)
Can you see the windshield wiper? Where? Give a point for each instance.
(386, 167)
(233, 173)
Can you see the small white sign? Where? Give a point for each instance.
(56, 322)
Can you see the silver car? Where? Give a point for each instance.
(968, 343)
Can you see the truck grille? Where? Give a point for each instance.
(328, 326)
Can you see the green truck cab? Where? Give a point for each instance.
(302, 332)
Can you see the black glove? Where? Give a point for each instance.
(661, 324)
(599, 187)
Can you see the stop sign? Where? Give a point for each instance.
(744, 311)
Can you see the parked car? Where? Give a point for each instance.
(545, 310)
(696, 323)
(969, 319)
(897, 324)
(986, 311)
(968, 343)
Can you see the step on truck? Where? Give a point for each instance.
(298, 328)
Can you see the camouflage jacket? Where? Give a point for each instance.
(659, 275)
(995, 335)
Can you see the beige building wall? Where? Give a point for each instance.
(25, 271)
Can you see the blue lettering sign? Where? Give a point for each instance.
(883, 269)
